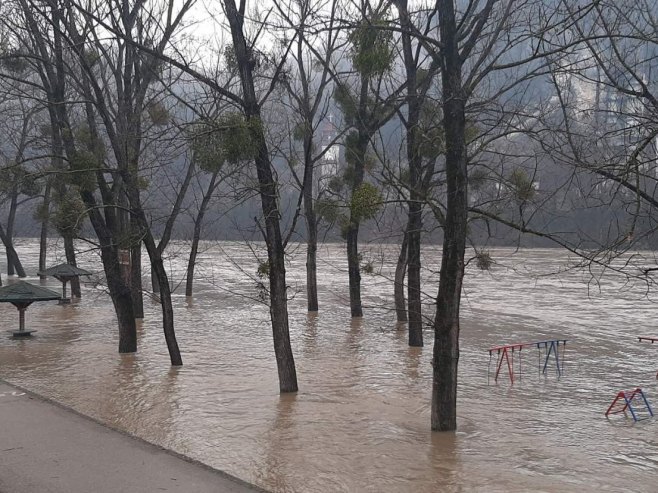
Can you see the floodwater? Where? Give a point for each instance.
(360, 421)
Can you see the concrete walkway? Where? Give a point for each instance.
(45, 448)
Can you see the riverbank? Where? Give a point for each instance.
(47, 448)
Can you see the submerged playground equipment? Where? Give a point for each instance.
(510, 354)
(648, 339)
(550, 355)
(634, 401)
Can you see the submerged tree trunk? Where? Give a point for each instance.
(269, 195)
(198, 223)
(14, 265)
(155, 283)
(398, 290)
(446, 322)
(165, 300)
(11, 270)
(53, 76)
(13, 204)
(122, 300)
(136, 280)
(413, 276)
(311, 227)
(136, 274)
(358, 158)
(311, 266)
(171, 220)
(354, 271)
(69, 251)
(12, 256)
(276, 258)
(117, 286)
(414, 222)
(279, 311)
(191, 263)
(139, 223)
(43, 236)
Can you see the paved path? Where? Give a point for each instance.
(45, 448)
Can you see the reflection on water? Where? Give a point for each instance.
(361, 419)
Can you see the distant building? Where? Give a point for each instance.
(328, 165)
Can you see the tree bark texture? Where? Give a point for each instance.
(155, 284)
(311, 271)
(196, 237)
(191, 263)
(53, 76)
(446, 322)
(12, 255)
(358, 159)
(140, 223)
(121, 298)
(354, 270)
(43, 235)
(268, 194)
(13, 205)
(171, 220)
(413, 278)
(136, 273)
(165, 300)
(136, 279)
(414, 222)
(69, 251)
(311, 227)
(398, 287)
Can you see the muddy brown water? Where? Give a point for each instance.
(360, 421)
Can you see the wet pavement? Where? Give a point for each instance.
(45, 448)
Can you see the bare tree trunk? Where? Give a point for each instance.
(165, 300)
(268, 194)
(354, 270)
(13, 204)
(446, 322)
(191, 263)
(14, 265)
(311, 228)
(43, 236)
(311, 265)
(413, 276)
(398, 290)
(136, 280)
(171, 220)
(12, 256)
(122, 300)
(308, 103)
(69, 251)
(140, 224)
(11, 271)
(53, 76)
(279, 315)
(155, 283)
(198, 222)
(414, 223)
(136, 274)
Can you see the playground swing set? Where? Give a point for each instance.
(510, 356)
(551, 354)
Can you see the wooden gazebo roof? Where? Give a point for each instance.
(64, 270)
(24, 292)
